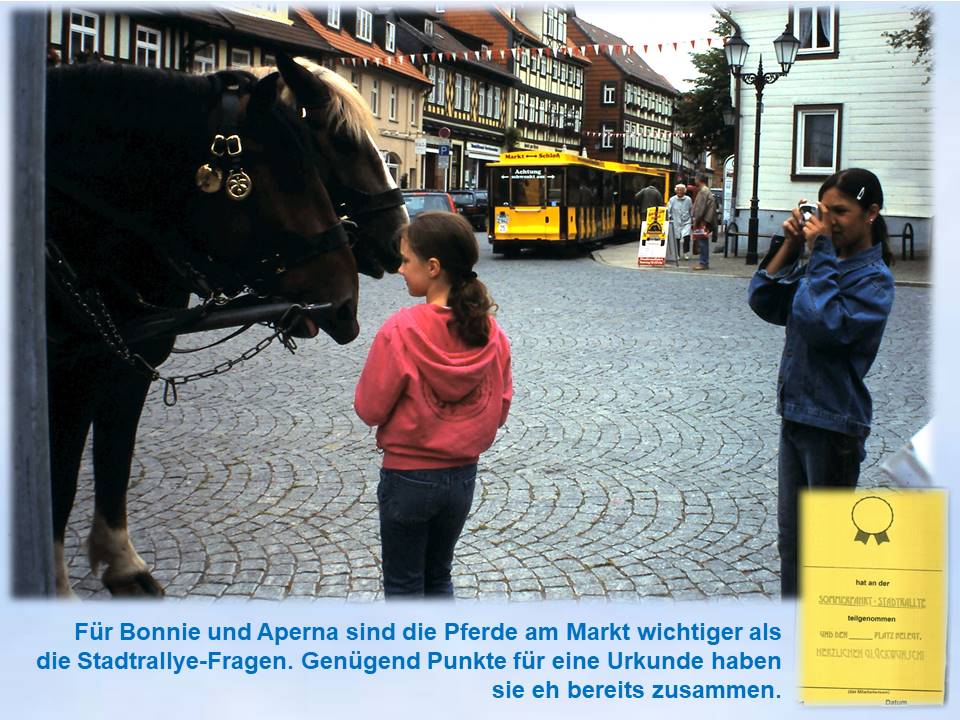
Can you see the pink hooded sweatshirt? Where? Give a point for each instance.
(436, 401)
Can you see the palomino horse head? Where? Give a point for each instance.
(353, 170)
(296, 246)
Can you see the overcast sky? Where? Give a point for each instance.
(650, 23)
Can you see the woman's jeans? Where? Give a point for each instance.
(422, 513)
(810, 457)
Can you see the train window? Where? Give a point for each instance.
(500, 187)
(554, 187)
(583, 185)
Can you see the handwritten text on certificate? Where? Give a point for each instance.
(872, 604)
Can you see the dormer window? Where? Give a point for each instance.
(428, 27)
(333, 16)
(390, 39)
(364, 25)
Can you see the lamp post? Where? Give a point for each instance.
(735, 49)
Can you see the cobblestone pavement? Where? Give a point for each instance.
(639, 458)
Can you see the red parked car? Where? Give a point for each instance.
(418, 201)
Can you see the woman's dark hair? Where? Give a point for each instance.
(864, 187)
(449, 238)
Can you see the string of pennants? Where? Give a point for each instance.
(644, 132)
(568, 51)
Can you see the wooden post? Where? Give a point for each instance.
(33, 572)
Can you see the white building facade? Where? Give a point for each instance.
(850, 100)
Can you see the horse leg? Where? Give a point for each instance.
(70, 413)
(114, 435)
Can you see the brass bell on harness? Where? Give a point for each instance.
(239, 185)
(209, 178)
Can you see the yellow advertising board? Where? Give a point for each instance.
(653, 238)
(872, 610)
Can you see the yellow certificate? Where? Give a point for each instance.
(873, 601)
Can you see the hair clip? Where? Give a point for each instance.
(860, 194)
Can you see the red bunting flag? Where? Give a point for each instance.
(674, 46)
(709, 41)
(693, 43)
(645, 47)
(660, 47)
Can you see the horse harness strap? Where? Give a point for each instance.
(357, 202)
(226, 150)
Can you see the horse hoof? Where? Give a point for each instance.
(141, 584)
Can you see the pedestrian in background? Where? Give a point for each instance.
(647, 198)
(679, 212)
(704, 220)
(437, 384)
(835, 309)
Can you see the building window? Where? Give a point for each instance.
(467, 94)
(490, 102)
(496, 103)
(84, 33)
(609, 96)
(606, 136)
(375, 97)
(333, 16)
(393, 102)
(814, 27)
(413, 107)
(441, 86)
(355, 79)
(390, 40)
(522, 108)
(268, 60)
(579, 77)
(204, 59)
(457, 91)
(525, 58)
(432, 77)
(148, 47)
(239, 58)
(428, 27)
(816, 139)
(482, 100)
(364, 25)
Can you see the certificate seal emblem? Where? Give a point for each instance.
(872, 515)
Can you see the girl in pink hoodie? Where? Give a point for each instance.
(437, 385)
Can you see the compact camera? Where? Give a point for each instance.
(808, 211)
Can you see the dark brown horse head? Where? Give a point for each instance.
(285, 236)
(362, 189)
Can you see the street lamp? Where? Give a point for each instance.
(735, 49)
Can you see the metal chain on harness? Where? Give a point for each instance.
(107, 329)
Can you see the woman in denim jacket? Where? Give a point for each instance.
(835, 309)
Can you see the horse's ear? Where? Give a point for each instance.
(308, 90)
(264, 95)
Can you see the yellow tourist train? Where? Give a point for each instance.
(558, 199)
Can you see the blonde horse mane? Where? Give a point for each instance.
(349, 110)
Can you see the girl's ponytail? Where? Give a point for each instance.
(449, 238)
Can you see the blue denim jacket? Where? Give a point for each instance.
(835, 312)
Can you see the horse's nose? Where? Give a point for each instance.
(341, 324)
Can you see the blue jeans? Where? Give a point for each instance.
(810, 457)
(422, 513)
(705, 248)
